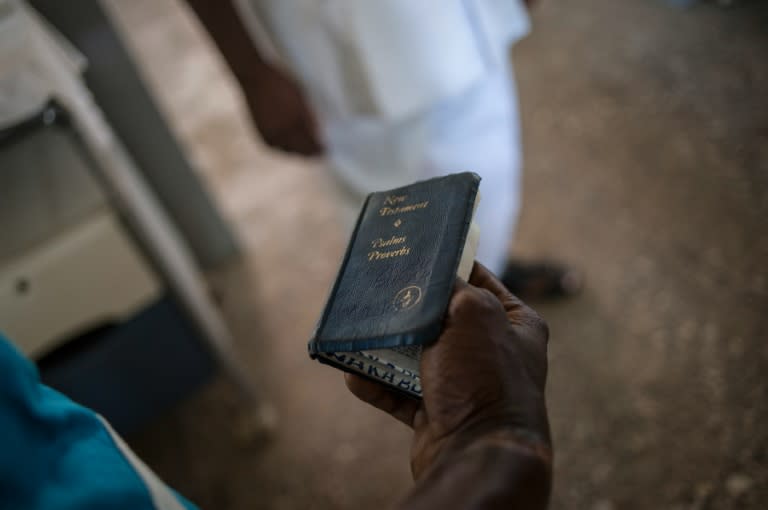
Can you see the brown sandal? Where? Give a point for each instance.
(541, 280)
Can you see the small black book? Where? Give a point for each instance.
(396, 279)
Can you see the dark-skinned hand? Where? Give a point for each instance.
(484, 376)
(281, 114)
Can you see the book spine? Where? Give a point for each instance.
(312, 346)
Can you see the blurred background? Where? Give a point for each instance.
(645, 135)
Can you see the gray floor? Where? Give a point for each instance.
(646, 136)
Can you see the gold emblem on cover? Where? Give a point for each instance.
(407, 297)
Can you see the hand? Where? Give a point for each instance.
(278, 107)
(483, 377)
(280, 112)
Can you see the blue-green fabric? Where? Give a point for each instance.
(55, 454)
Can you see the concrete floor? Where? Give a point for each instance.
(646, 140)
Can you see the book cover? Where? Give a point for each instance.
(396, 279)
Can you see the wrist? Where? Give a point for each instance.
(519, 441)
(506, 430)
(504, 467)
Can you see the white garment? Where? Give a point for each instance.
(408, 89)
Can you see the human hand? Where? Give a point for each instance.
(483, 378)
(280, 112)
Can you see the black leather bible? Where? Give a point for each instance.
(396, 279)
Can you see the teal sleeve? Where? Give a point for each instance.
(57, 455)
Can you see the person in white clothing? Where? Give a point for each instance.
(395, 91)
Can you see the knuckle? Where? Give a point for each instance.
(474, 301)
(489, 301)
(460, 300)
(537, 324)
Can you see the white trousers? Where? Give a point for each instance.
(476, 131)
(405, 90)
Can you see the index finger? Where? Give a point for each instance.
(483, 278)
(524, 318)
(517, 311)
